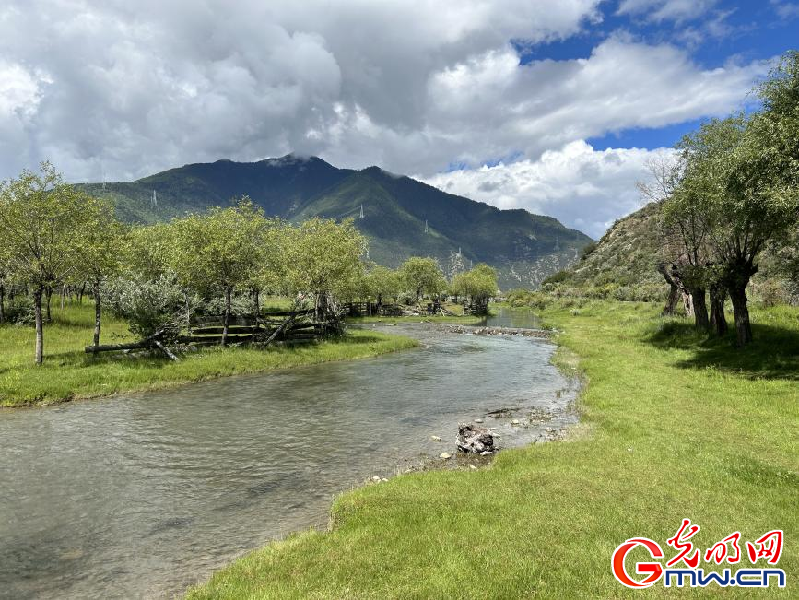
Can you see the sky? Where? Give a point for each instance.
(552, 106)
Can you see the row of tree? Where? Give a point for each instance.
(159, 276)
(731, 190)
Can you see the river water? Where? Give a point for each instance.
(143, 495)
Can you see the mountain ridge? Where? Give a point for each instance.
(401, 216)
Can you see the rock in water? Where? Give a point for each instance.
(477, 440)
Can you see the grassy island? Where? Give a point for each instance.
(673, 426)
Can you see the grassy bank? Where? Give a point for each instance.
(69, 373)
(672, 427)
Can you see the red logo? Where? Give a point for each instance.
(654, 569)
(766, 548)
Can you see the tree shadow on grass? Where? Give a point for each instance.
(774, 353)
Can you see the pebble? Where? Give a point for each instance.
(435, 438)
(445, 455)
(472, 467)
(375, 477)
(384, 479)
(515, 422)
(478, 420)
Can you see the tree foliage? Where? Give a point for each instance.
(423, 276)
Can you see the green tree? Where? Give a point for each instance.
(44, 223)
(382, 282)
(760, 199)
(101, 256)
(690, 214)
(323, 259)
(423, 276)
(219, 250)
(479, 285)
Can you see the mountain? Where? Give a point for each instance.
(623, 264)
(402, 217)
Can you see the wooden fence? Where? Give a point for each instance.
(275, 327)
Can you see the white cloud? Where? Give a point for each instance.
(660, 10)
(785, 10)
(410, 85)
(586, 189)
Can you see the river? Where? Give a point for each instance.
(143, 495)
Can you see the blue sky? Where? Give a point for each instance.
(554, 106)
(727, 31)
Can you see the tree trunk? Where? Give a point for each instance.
(717, 320)
(81, 292)
(674, 290)
(37, 305)
(671, 301)
(226, 326)
(2, 303)
(63, 297)
(256, 300)
(187, 309)
(48, 292)
(743, 328)
(700, 308)
(97, 314)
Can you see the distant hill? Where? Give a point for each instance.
(402, 217)
(623, 264)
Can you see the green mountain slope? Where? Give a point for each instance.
(402, 217)
(623, 264)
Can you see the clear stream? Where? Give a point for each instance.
(143, 495)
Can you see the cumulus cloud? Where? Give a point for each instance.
(584, 188)
(120, 90)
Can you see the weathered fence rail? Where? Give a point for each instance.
(295, 327)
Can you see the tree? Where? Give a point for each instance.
(761, 200)
(270, 271)
(219, 250)
(479, 285)
(423, 276)
(44, 221)
(381, 282)
(100, 256)
(323, 258)
(687, 218)
(3, 276)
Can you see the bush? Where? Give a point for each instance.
(558, 277)
(148, 306)
(20, 311)
(588, 250)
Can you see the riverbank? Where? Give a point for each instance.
(68, 373)
(672, 426)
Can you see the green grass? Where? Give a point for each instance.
(69, 373)
(671, 426)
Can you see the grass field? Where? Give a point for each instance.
(672, 426)
(69, 373)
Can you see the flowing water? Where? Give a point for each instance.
(142, 495)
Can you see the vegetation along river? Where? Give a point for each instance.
(142, 495)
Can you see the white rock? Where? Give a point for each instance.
(384, 479)
(515, 422)
(375, 477)
(472, 467)
(445, 455)
(435, 438)
(478, 420)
